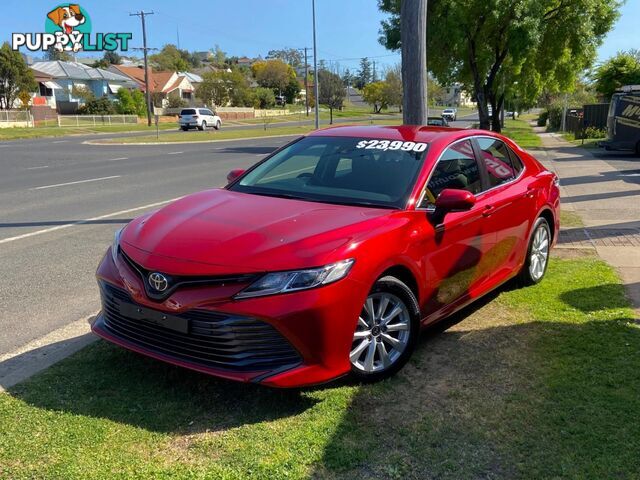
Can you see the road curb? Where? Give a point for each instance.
(103, 144)
(40, 354)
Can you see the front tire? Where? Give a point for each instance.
(217, 127)
(638, 148)
(535, 265)
(203, 126)
(387, 331)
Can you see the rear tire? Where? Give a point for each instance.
(638, 148)
(386, 332)
(537, 261)
(185, 129)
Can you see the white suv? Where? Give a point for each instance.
(198, 117)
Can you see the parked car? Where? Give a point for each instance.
(623, 120)
(437, 122)
(450, 114)
(199, 118)
(327, 257)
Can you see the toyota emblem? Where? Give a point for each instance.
(158, 281)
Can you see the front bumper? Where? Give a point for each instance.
(289, 340)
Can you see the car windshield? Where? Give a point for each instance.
(342, 170)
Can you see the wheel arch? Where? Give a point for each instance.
(405, 275)
(549, 216)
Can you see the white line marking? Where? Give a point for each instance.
(38, 168)
(88, 220)
(75, 183)
(116, 159)
(60, 141)
(174, 153)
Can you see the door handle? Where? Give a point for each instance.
(530, 193)
(488, 210)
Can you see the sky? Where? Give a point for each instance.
(346, 29)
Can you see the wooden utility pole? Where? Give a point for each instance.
(413, 36)
(142, 14)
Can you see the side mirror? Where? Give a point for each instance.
(233, 174)
(454, 200)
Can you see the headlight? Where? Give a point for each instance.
(292, 281)
(115, 246)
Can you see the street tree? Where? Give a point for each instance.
(53, 55)
(331, 92)
(348, 78)
(374, 95)
(15, 77)
(214, 88)
(274, 74)
(264, 97)
(292, 56)
(489, 45)
(392, 88)
(219, 57)
(364, 73)
(619, 70)
(173, 59)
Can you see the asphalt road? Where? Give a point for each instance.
(62, 200)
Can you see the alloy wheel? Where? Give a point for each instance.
(382, 333)
(539, 252)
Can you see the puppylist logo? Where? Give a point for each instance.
(68, 28)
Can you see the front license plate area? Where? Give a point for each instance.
(161, 319)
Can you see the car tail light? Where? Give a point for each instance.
(179, 116)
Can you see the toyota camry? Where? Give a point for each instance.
(328, 257)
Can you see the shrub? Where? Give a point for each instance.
(594, 132)
(264, 98)
(542, 119)
(98, 106)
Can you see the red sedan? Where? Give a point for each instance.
(329, 256)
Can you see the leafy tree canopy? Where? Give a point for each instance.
(618, 71)
(274, 74)
(489, 45)
(15, 77)
(173, 59)
(331, 90)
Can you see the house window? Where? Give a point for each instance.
(186, 95)
(45, 91)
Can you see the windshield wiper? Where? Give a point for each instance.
(278, 195)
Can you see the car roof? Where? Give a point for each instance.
(412, 133)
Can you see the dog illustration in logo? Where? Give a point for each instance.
(67, 18)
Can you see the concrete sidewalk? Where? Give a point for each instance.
(607, 202)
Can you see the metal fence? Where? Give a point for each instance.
(94, 120)
(15, 117)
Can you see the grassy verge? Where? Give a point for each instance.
(584, 143)
(38, 132)
(197, 136)
(570, 219)
(538, 382)
(521, 132)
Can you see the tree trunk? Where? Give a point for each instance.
(413, 35)
(330, 115)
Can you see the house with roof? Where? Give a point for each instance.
(162, 84)
(60, 84)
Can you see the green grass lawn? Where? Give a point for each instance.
(540, 382)
(38, 132)
(570, 219)
(521, 132)
(584, 143)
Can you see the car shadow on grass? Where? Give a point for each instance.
(105, 381)
(495, 393)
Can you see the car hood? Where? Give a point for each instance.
(224, 232)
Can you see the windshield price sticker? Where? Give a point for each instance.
(392, 145)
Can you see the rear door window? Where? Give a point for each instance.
(496, 158)
(188, 111)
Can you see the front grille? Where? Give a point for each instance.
(213, 340)
(176, 282)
